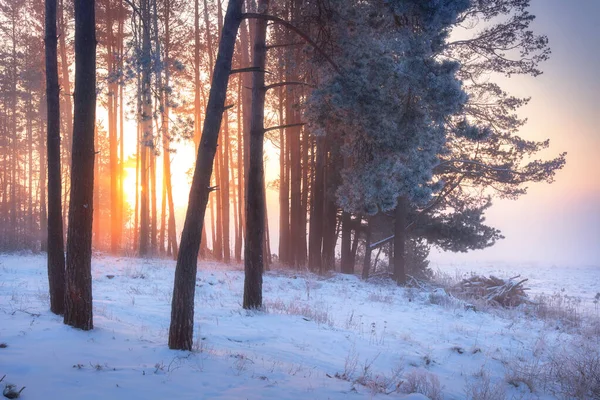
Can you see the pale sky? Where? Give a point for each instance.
(558, 223)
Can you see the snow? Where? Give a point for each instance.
(312, 333)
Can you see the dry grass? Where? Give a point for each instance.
(423, 382)
(483, 388)
(576, 370)
(308, 311)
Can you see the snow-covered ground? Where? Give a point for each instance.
(332, 337)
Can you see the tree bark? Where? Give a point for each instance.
(255, 195)
(78, 302)
(224, 190)
(42, 180)
(399, 241)
(367, 260)
(147, 135)
(315, 237)
(240, 177)
(182, 309)
(347, 265)
(329, 226)
(56, 251)
(115, 222)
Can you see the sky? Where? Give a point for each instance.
(558, 223)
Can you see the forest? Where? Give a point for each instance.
(381, 122)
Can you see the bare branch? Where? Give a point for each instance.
(381, 242)
(274, 85)
(274, 46)
(135, 9)
(248, 69)
(297, 31)
(284, 126)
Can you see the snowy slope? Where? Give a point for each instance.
(320, 338)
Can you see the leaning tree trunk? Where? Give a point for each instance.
(56, 248)
(182, 309)
(78, 302)
(255, 195)
(399, 241)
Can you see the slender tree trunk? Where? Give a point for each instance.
(245, 51)
(42, 177)
(147, 135)
(56, 252)
(182, 309)
(367, 260)
(153, 197)
(163, 212)
(295, 177)
(302, 249)
(267, 249)
(78, 302)
(197, 116)
(120, 43)
(284, 189)
(347, 266)
(115, 223)
(315, 238)
(29, 216)
(218, 200)
(171, 229)
(399, 241)
(255, 196)
(329, 233)
(138, 147)
(355, 239)
(67, 106)
(240, 176)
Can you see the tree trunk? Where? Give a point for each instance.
(224, 190)
(329, 231)
(302, 242)
(56, 251)
(315, 237)
(367, 260)
(356, 225)
(78, 302)
(67, 97)
(42, 179)
(197, 126)
(255, 195)
(347, 265)
(399, 241)
(171, 228)
(240, 178)
(115, 222)
(147, 135)
(182, 310)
